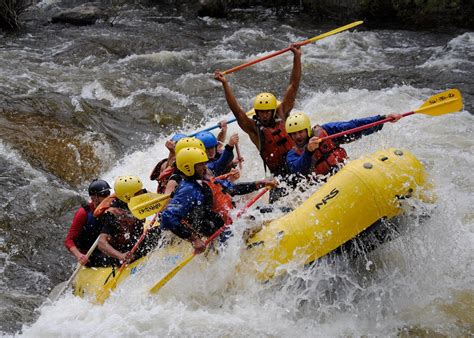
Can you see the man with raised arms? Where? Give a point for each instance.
(267, 128)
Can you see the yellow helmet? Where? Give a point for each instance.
(187, 158)
(265, 101)
(297, 122)
(189, 142)
(126, 187)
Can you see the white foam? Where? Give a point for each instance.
(458, 53)
(164, 57)
(398, 284)
(46, 3)
(407, 274)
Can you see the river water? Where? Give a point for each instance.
(81, 102)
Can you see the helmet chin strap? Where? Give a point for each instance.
(270, 124)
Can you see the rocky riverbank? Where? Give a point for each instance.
(377, 14)
(408, 14)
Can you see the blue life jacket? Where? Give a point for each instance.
(90, 230)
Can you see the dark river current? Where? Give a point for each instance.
(100, 101)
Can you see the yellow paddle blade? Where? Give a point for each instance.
(171, 274)
(446, 102)
(106, 289)
(335, 31)
(145, 205)
(148, 224)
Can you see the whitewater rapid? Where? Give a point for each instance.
(79, 102)
(410, 281)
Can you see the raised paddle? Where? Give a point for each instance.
(302, 43)
(249, 113)
(446, 102)
(112, 282)
(76, 271)
(284, 50)
(184, 262)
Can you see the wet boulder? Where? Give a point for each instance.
(212, 8)
(86, 14)
(53, 142)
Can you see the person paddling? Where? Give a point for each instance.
(201, 205)
(85, 228)
(163, 169)
(310, 155)
(266, 130)
(176, 176)
(121, 229)
(221, 136)
(218, 163)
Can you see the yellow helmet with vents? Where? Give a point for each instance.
(187, 158)
(126, 187)
(189, 142)
(265, 101)
(297, 122)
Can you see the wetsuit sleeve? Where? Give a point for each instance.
(299, 163)
(234, 189)
(185, 199)
(243, 188)
(78, 222)
(176, 177)
(337, 127)
(219, 166)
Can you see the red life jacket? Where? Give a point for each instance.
(221, 201)
(104, 205)
(164, 178)
(327, 156)
(275, 143)
(155, 173)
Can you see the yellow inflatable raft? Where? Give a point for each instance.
(363, 192)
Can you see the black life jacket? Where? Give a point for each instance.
(128, 228)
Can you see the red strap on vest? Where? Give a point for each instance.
(327, 156)
(275, 144)
(104, 205)
(163, 179)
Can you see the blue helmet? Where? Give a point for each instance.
(177, 137)
(207, 138)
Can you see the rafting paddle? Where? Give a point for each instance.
(150, 203)
(76, 271)
(302, 43)
(249, 114)
(141, 206)
(284, 50)
(184, 262)
(449, 101)
(112, 282)
(147, 204)
(239, 156)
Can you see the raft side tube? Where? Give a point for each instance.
(363, 192)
